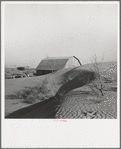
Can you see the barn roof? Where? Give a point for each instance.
(53, 63)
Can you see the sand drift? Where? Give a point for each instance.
(47, 109)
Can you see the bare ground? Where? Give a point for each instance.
(71, 102)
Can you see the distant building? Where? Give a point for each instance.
(50, 65)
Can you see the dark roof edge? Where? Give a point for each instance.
(78, 60)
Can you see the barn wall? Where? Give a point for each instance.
(43, 72)
(69, 63)
(72, 62)
(39, 72)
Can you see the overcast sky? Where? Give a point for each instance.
(34, 31)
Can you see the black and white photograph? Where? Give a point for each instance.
(60, 61)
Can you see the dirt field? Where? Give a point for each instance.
(13, 86)
(83, 105)
(72, 103)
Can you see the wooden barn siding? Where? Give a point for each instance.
(72, 62)
(43, 72)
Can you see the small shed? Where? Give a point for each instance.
(52, 64)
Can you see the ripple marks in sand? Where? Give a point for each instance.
(80, 106)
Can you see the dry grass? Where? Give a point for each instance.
(43, 91)
(36, 89)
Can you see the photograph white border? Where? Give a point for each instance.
(38, 133)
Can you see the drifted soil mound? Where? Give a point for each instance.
(65, 102)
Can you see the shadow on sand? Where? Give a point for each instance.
(48, 108)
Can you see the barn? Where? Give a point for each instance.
(52, 64)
